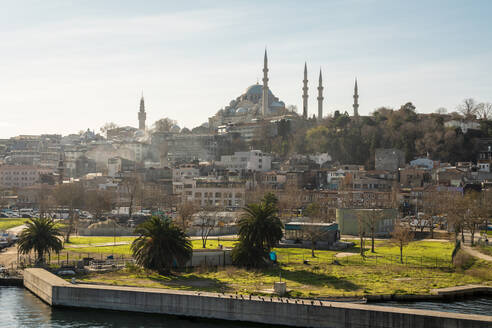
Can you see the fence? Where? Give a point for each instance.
(368, 260)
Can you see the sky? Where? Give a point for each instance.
(66, 66)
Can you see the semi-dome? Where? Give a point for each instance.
(242, 110)
(175, 129)
(277, 104)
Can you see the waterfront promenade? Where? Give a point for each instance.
(268, 310)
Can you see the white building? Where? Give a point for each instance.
(463, 125)
(253, 160)
(214, 193)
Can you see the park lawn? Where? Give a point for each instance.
(92, 251)
(302, 281)
(320, 278)
(213, 243)
(97, 240)
(7, 223)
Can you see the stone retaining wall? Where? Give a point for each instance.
(57, 292)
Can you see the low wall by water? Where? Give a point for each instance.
(279, 311)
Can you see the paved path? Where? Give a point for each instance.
(477, 254)
(118, 243)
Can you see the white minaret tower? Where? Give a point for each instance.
(320, 96)
(356, 99)
(264, 100)
(305, 93)
(141, 114)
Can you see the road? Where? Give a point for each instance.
(8, 256)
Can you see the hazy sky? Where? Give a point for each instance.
(72, 65)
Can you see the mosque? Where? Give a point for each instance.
(250, 106)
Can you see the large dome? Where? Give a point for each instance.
(256, 89)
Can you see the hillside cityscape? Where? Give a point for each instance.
(280, 209)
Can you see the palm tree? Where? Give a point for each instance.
(260, 229)
(161, 245)
(42, 236)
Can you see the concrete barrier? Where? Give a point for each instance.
(278, 311)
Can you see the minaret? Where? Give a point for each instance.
(320, 96)
(305, 93)
(142, 115)
(356, 100)
(264, 101)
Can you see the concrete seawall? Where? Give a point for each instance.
(57, 292)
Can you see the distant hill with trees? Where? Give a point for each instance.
(354, 140)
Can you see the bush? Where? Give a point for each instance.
(463, 260)
(248, 256)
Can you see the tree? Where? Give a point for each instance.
(484, 110)
(371, 219)
(207, 221)
(42, 236)
(164, 124)
(260, 230)
(472, 214)
(70, 195)
(362, 233)
(402, 235)
(161, 245)
(432, 203)
(186, 209)
(312, 232)
(131, 187)
(454, 212)
(98, 202)
(108, 126)
(468, 107)
(44, 199)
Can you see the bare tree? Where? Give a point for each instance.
(484, 110)
(468, 107)
(441, 111)
(186, 209)
(108, 126)
(473, 214)
(432, 202)
(131, 187)
(371, 219)
(70, 195)
(402, 235)
(208, 219)
(45, 201)
(311, 231)
(362, 232)
(164, 124)
(98, 202)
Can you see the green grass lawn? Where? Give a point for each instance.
(97, 240)
(124, 250)
(319, 278)
(7, 223)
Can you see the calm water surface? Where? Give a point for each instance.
(476, 305)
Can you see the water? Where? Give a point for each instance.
(20, 308)
(476, 305)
